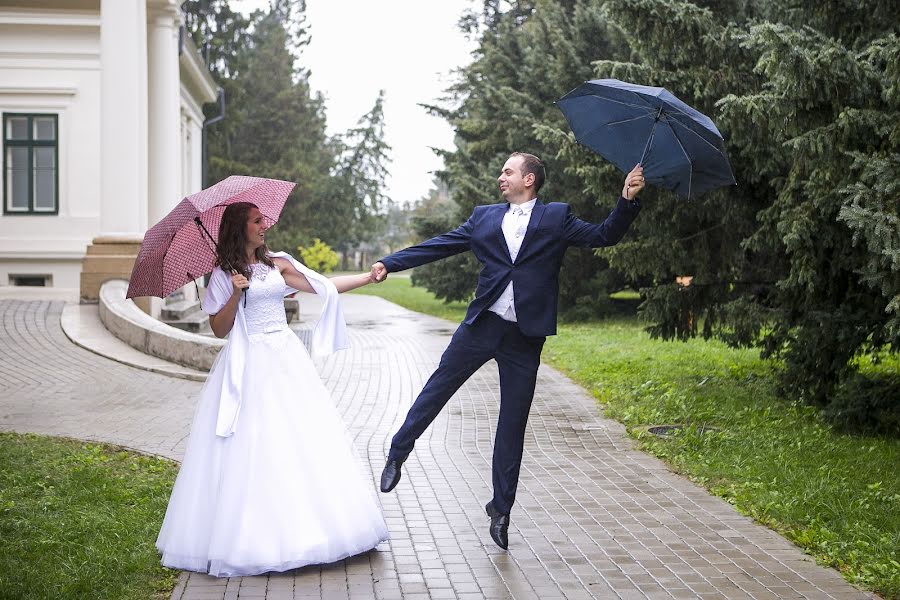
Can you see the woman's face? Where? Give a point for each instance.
(256, 228)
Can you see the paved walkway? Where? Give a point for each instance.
(594, 519)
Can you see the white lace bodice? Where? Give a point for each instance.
(264, 311)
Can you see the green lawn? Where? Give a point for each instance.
(79, 520)
(835, 495)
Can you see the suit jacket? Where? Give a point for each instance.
(535, 273)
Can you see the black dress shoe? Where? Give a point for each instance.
(499, 526)
(391, 474)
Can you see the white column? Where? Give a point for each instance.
(123, 110)
(164, 111)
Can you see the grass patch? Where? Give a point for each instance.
(835, 495)
(80, 520)
(628, 294)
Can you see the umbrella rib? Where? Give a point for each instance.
(643, 106)
(691, 120)
(646, 104)
(165, 255)
(686, 156)
(686, 128)
(162, 260)
(645, 116)
(674, 109)
(649, 142)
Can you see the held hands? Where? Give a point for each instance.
(238, 282)
(379, 273)
(634, 183)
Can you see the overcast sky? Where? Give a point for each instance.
(409, 48)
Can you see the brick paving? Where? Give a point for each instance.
(595, 518)
(51, 386)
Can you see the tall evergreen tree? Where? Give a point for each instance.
(811, 129)
(359, 177)
(274, 125)
(527, 54)
(801, 258)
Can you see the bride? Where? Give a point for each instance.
(270, 480)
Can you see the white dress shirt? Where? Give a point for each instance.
(515, 224)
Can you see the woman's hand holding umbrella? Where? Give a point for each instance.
(222, 322)
(239, 282)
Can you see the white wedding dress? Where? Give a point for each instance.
(283, 487)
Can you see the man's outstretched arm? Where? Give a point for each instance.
(442, 246)
(610, 231)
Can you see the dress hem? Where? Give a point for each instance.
(204, 565)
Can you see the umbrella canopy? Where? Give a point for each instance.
(679, 147)
(177, 250)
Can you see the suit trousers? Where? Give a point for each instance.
(518, 357)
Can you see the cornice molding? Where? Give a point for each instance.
(199, 78)
(37, 91)
(69, 18)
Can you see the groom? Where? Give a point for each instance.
(520, 244)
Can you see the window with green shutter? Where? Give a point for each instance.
(30, 164)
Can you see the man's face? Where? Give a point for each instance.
(513, 186)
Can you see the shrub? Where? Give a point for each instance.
(319, 256)
(869, 404)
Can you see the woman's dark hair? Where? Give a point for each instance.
(233, 240)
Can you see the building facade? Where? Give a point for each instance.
(101, 106)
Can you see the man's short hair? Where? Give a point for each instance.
(532, 164)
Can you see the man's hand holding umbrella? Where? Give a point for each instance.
(634, 183)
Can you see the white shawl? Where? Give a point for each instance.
(329, 335)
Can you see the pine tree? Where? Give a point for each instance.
(274, 126)
(801, 257)
(359, 183)
(527, 57)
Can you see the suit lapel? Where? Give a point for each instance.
(497, 226)
(536, 214)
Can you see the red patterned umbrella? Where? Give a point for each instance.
(177, 250)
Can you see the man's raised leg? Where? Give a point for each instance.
(469, 349)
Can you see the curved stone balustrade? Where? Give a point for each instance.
(136, 328)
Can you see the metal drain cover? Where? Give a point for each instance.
(589, 427)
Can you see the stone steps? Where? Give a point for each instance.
(185, 315)
(197, 322)
(173, 311)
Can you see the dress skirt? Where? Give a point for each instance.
(285, 490)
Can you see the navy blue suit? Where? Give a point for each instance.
(483, 335)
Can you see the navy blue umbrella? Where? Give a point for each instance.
(679, 147)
